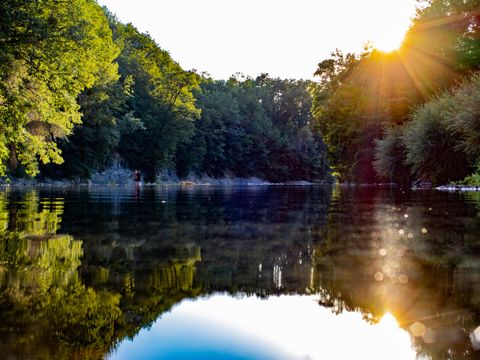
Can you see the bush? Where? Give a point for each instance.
(433, 148)
(472, 179)
(465, 120)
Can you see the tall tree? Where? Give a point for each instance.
(162, 100)
(50, 51)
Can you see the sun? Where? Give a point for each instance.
(388, 32)
(388, 22)
(389, 40)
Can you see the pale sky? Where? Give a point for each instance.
(285, 38)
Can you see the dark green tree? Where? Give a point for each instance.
(162, 100)
(257, 127)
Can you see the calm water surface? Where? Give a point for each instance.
(239, 273)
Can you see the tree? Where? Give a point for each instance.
(258, 127)
(446, 32)
(50, 51)
(162, 100)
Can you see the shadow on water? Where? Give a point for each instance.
(81, 270)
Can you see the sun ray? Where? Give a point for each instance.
(417, 82)
(448, 20)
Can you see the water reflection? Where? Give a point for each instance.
(428, 279)
(284, 327)
(54, 307)
(81, 270)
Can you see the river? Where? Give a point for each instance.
(253, 272)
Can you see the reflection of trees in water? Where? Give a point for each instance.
(367, 255)
(47, 311)
(412, 255)
(149, 281)
(246, 236)
(357, 250)
(263, 243)
(29, 214)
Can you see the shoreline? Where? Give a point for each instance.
(458, 188)
(207, 181)
(183, 183)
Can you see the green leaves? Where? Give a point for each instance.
(160, 103)
(441, 142)
(256, 127)
(358, 96)
(51, 51)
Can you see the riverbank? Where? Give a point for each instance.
(117, 176)
(459, 188)
(202, 181)
(183, 183)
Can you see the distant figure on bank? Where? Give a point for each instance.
(137, 176)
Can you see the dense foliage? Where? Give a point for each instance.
(441, 141)
(50, 51)
(390, 112)
(80, 91)
(255, 127)
(140, 118)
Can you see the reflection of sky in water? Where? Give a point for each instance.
(285, 327)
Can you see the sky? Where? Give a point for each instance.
(284, 38)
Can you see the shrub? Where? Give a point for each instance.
(433, 147)
(465, 120)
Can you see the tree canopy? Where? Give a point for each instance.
(372, 108)
(50, 51)
(80, 91)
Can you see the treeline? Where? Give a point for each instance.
(255, 127)
(409, 115)
(80, 90)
